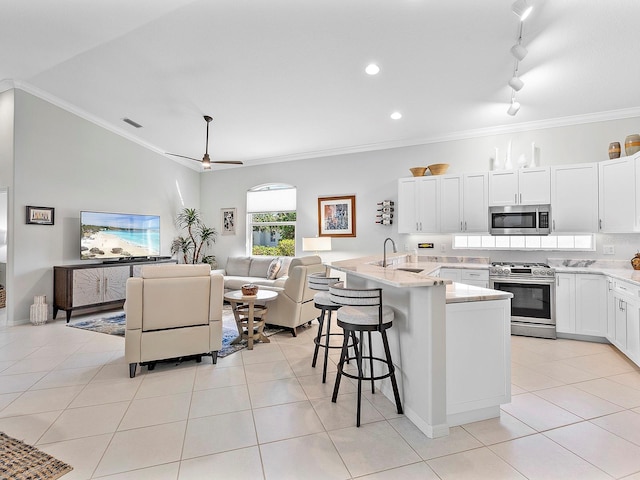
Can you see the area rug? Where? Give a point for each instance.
(115, 325)
(19, 461)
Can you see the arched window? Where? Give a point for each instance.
(271, 211)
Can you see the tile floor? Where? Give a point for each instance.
(265, 414)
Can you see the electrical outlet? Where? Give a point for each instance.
(609, 249)
(443, 248)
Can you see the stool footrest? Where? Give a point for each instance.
(367, 358)
(319, 341)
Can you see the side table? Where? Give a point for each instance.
(245, 311)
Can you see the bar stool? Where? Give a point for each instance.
(322, 301)
(362, 311)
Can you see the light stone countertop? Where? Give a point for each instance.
(627, 274)
(461, 292)
(370, 268)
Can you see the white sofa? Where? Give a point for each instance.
(172, 311)
(242, 270)
(294, 305)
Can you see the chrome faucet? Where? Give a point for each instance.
(384, 250)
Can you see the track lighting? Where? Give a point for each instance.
(521, 9)
(514, 107)
(516, 83)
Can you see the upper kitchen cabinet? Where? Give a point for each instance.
(418, 205)
(574, 198)
(526, 186)
(617, 192)
(464, 203)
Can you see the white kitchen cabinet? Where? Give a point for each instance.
(591, 305)
(418, 205)
(617, 193)
(626, 314)
(471, 276)
(581, 304)
(565, 303)
(464, 203)
(526, 186)
(574, 198)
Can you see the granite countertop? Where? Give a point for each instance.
(618, 269)
(461, 292)
(370, 267)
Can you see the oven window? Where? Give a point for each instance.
(513, 220)
(529, 300)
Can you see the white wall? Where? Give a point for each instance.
(6, 184)
(372, 177)
(71, 164)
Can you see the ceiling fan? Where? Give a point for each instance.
(206, 161)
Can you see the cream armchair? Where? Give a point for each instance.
(294, 305)
(172, 311)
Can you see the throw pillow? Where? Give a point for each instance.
(274, 268)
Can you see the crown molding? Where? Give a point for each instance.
(7, 84)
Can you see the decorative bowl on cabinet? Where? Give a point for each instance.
(438, 168)
(418, 171)
(632, 144)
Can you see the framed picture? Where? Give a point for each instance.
(40, 215)
(337, 216)
(228, 221)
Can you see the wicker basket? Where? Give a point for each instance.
(3, 297)
(418, 171)
(438, 168)
(249, 290)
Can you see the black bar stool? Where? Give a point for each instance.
(362, 311)
(322, 301)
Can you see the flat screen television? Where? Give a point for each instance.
(115, 236)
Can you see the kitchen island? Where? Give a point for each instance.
(450, 343)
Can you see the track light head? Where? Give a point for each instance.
(521, 9)
(513, 108)
(516, 83)
(519, 52)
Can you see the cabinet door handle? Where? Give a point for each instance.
(461, 226)
(98, 286)
(465, 226)
(515, 198)
(600, 224)
(106, 282)
(520, 198)
(554, 225)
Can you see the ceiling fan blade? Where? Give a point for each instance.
(228, 162)
(182, 156)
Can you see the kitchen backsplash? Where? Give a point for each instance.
(594, 263)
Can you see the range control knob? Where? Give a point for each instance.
(537, 272)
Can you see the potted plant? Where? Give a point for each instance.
(197, 239)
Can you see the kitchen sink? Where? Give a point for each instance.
(408, 269)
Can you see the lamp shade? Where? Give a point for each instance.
(519, 52)
(513, 108)
(516, 83)
(521, 9)
(316, 244)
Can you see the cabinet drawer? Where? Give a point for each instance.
(626, 288)
(475, 275)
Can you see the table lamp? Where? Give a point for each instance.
(316, 244)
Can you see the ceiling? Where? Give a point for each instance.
(284, 79)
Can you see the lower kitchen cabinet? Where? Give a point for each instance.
(624, 318)
(471, 276)
(581, 304)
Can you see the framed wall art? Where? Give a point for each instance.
(228, 221)
(337, 216)
(40, 215)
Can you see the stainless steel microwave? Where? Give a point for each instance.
(520, 220)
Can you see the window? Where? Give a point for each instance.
(529, 242)
(271, 211)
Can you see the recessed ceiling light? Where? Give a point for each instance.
(372, 69)
(396, 116)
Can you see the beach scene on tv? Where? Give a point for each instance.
(118, 235)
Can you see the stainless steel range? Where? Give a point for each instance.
(533, 306)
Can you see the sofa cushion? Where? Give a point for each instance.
(274, 268)
(284, 268)
(260, 266)
(238, 266)
(236, 282)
